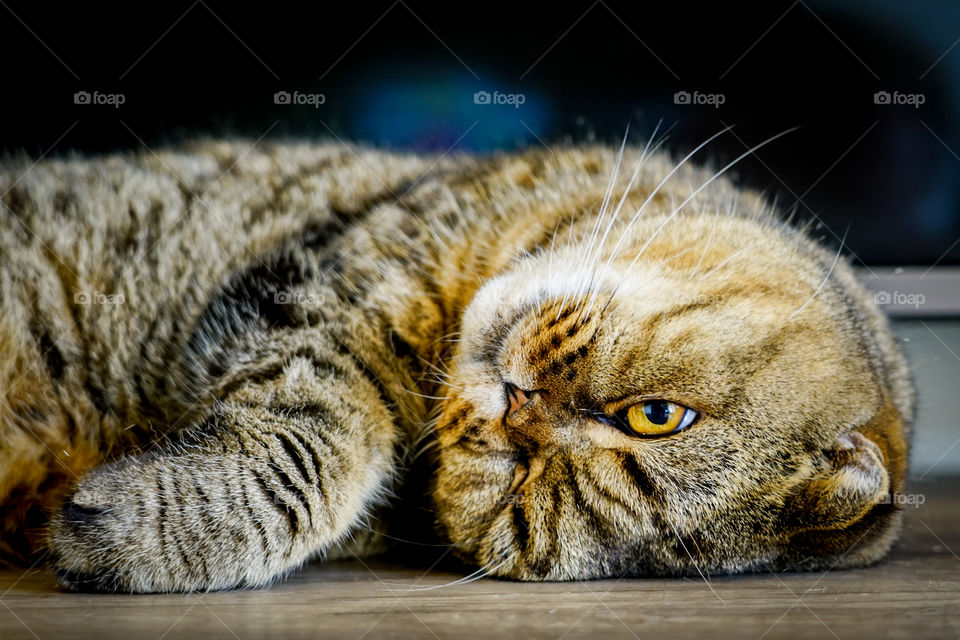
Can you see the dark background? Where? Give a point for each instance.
(404, 74)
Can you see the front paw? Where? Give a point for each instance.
(177, 523)
(75, 570)
(97, 540)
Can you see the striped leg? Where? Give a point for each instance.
(287, 463)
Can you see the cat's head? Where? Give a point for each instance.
(729, 401)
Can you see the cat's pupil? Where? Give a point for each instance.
(657, 412)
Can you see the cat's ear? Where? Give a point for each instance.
(853, 481)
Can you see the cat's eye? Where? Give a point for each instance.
(658, 418)
(649, 418)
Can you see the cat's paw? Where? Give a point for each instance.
(96, 538)
(180, 523)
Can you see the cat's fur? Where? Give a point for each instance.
(219, 360)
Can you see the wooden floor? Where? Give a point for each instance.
(915, 593)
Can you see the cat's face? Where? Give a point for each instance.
(698, 410)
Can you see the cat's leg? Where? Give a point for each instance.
(289, 461)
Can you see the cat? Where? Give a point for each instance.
(222, 359)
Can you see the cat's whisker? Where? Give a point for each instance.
(440, 545)
(636, 216)
(445, 337)
(592, 236)
(423, 395)
(422, 448)
(695, 565)
(445, 383)
(598, 224)
(647, 152)
(706, 246)
(553, 244)
(649, 149)
(479, 574)
(726, 261)
(703, 186)
(666, 261)
(573, 219)
(594, 257)
(823, 282)
(439, 371)
(600, 215)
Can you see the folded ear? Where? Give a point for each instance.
(852, 481)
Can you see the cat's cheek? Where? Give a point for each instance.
(488, 400)
(481, 388)
(605, 436)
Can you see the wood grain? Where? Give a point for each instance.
(915, 593)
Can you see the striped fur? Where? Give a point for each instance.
(221, 360)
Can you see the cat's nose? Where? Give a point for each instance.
(516, 397)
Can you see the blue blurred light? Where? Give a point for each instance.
(431, 111)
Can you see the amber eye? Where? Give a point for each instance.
(659, 418)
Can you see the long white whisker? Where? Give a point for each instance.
(677, 255)
(713, 229)
(603, 205)
(728, 259)
(423, 395)
(823, 282)
(702, 187)
(480, 573)
(553, 244)
(682, 204)
(651, 196)
(595, 256)
(695, 565)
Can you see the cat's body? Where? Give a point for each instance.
(279, 328)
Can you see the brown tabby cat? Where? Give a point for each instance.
(219, 361)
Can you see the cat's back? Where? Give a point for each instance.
(172, 210)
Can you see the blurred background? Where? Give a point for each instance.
(873, 87)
